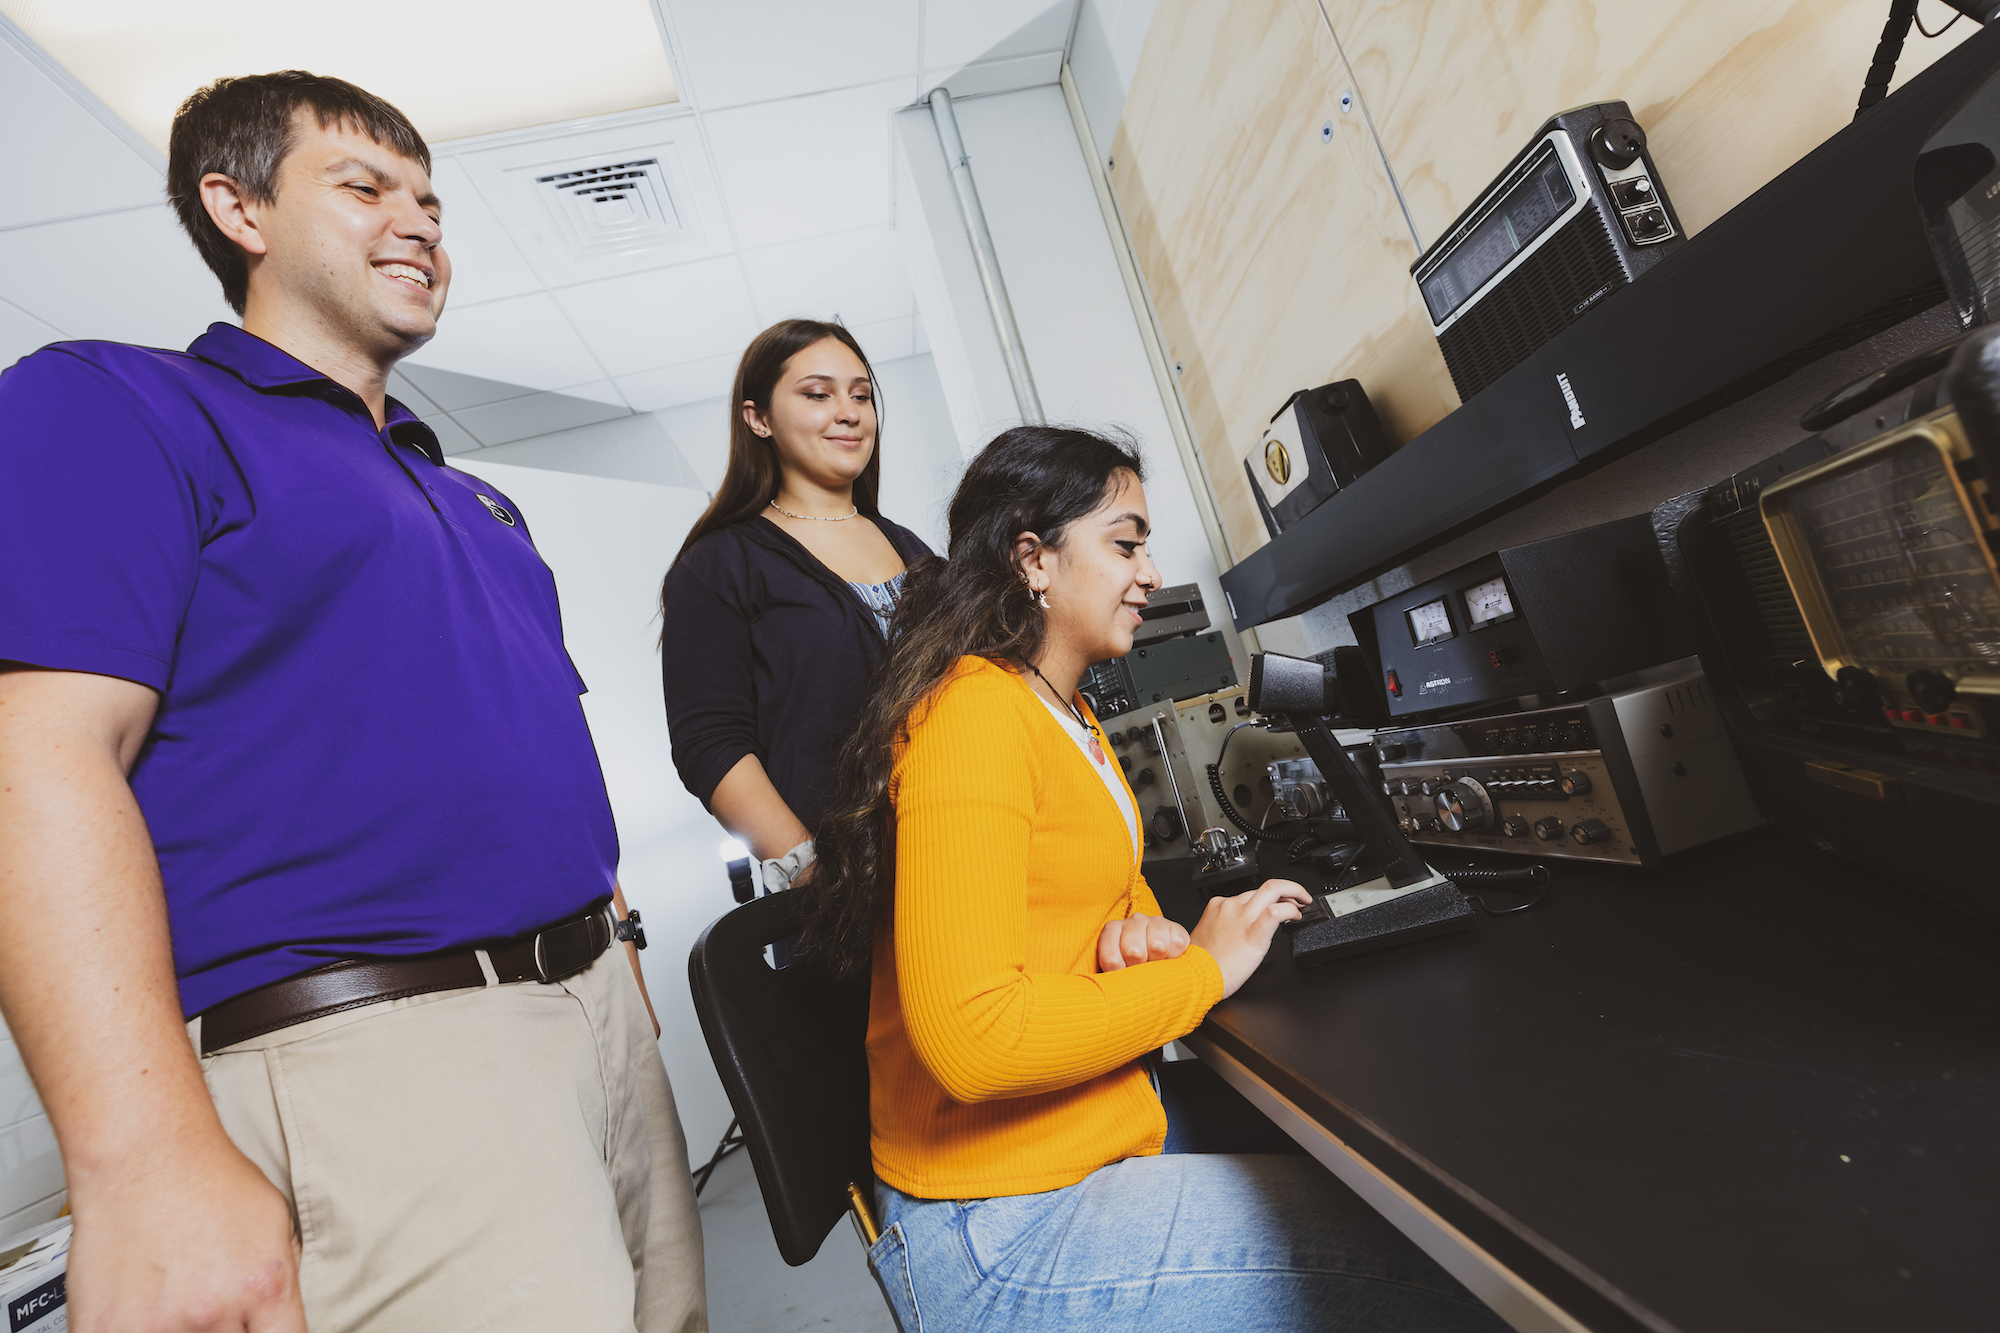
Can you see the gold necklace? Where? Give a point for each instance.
(815, 517)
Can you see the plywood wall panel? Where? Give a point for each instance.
(1277, 262)
(1731, 92)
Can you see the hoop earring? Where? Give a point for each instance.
(1042, 600)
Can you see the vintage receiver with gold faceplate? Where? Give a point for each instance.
(1887, 549)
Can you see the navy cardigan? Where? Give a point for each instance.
(767, 652)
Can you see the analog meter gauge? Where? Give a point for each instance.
(1488, 603)
(1429, 623)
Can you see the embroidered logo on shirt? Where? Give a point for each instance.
(498, 510)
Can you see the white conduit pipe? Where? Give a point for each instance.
(960, 165)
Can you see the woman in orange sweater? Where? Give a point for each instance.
(981, 861)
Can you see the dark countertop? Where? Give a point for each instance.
(1752, 1089)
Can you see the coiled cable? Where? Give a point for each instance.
(1504, 879)
(1222, 797)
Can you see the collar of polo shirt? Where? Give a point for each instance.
(263, 366)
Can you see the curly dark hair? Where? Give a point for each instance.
(974, 602)
(242, 128)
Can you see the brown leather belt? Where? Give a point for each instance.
(549, 954)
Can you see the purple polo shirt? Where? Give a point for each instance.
(369, 737)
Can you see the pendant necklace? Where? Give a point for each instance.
(838, 518)
(1096, 747)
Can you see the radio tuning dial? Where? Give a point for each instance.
(1575, 784)
(1463, 807)
(1616, 144)
(1589, 830)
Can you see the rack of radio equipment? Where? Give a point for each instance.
(1204, 765)
(1174, 655)
(1578, 214)
(1547, 703)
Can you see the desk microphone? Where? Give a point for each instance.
(1407, 900)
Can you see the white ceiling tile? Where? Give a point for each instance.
(128, 277)
(809, 165)
(539, 414)
(405, 391)
(450, 391)
(485, 264)
(997, 76)
(959, 32)
(672, 386)
(512, 179)
(77, 165)
(664, 317)
(522, 340)
(887, 339)
(627, 449)
(731, 54)
(21, 333)
(452, 437)
(858, 276)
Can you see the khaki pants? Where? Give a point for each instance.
(499, 1159)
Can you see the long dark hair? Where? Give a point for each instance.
(750, 482)
(1037, 479)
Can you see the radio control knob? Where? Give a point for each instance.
(1144, 777)
(1463, 807)
(1548, 828)
(1932, 690)
(1389, 750)
(1617, 143)
(1426, 824)
(1589, 830)
(1166, 823)
(1575, 784)
(1125, 762)
(1514, 826)
(1429, 787)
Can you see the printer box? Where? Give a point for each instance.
(33, 1269)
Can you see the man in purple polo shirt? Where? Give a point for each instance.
(306, 864)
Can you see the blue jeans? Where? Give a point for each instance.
(1186, 1241)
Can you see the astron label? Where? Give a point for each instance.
(1569, 396)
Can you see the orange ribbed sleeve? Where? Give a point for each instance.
(1010, 857)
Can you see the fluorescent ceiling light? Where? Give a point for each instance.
(454, 67)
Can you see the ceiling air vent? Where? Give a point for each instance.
(613, 207)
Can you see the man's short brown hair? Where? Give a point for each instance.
(242, 128)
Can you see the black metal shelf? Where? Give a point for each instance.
(1825, 255)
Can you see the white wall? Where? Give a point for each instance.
(1103, 57)
(31, 1172)
(1077, 323)
(608, 543)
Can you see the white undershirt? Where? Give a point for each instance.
(1105, 771)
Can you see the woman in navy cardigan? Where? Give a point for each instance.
(777, 607)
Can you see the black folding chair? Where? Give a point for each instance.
(791, 1049)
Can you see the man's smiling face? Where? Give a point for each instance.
(354, 241)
